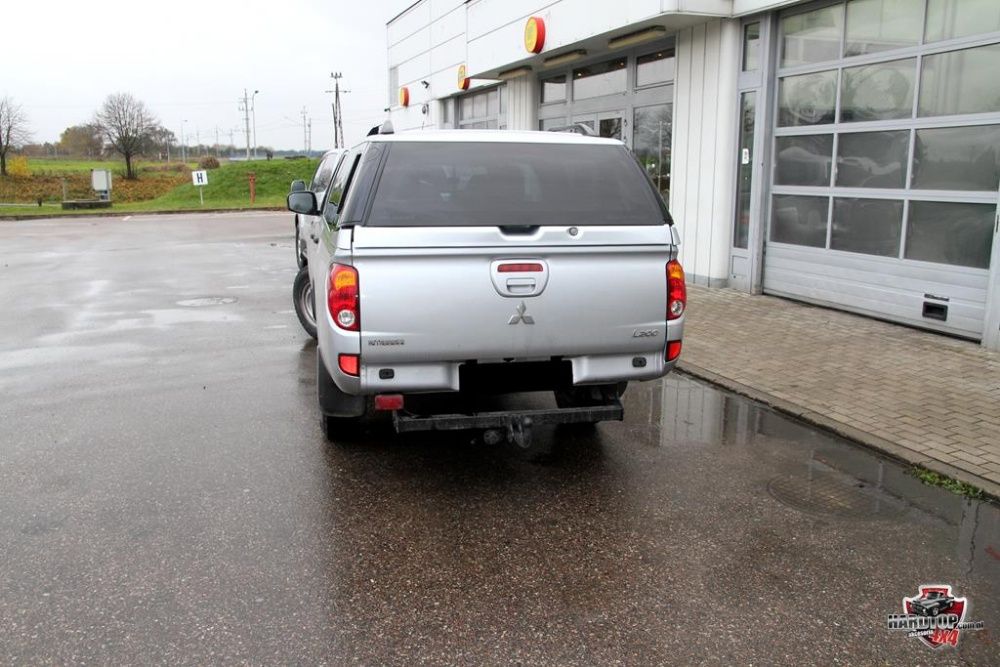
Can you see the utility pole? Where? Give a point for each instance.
(253, 111)
(245, 108)
(305, 135)
(183, 143)
(338, 112)
(310, 142)
(216, 141)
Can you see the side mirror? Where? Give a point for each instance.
(302, 202)
(298, 186)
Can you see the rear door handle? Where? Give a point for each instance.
(521, 285)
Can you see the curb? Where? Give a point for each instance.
(122, 214)
(886, 447)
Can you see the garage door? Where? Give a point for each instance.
(886, 159)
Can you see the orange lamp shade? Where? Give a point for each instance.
(463, 78)
(404, 97)
(534, 34)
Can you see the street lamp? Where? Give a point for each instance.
(253, 112)
(183, 143)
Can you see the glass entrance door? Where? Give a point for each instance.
(744, 176)
(739, 273)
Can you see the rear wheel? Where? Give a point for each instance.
(305, 302)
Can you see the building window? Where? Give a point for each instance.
(948, 19)
(654, 68)
(879, 25)
(944, 143)
(482, 110)
(960, 82)
(600, 79)
(751, 47)
(811, 37)
(554, 89)
(393, 86)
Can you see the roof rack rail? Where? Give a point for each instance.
(384, 128)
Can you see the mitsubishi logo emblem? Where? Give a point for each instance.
(521, 316)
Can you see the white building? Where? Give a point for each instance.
(845, 153)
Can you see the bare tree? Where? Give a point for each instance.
(126, 123)
(13, 129)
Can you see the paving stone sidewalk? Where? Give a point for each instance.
(921, 397)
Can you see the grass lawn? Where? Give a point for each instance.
(45, 165)
(228, 187)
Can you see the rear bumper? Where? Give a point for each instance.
(446, 375)
(443, 376)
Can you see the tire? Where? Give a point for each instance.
(341, 414)
(304, 301)
(935, 611)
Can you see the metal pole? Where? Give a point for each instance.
(246, 118)
(253, 110)
(305, 137)
(183, 143)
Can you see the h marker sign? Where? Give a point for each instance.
(200, 180)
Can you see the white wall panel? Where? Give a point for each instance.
(417, 43)
(414, 69)
(413, 19)
(743, 7)
(448, 26)
(704, 129)
(441, 7)
(448, 54)
(522, 103)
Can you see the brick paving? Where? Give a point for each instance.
(924, 397)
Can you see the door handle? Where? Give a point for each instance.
(520, 285)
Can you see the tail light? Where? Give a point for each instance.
(350, 364)
(389, 402)
(343, 298)
(673, 350)
(676, 290)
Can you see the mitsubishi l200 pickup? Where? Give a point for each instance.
(471, 262)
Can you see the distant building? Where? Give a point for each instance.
(842, 153)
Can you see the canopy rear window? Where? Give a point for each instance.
(434, 184)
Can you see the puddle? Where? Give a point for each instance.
(810, 470)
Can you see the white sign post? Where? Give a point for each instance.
(200, 180)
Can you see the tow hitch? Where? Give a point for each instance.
(515, 426)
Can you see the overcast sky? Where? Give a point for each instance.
(191, 61)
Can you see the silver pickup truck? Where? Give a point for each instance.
(473, 263)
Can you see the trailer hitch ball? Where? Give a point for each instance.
(519, 432)
(492, 436)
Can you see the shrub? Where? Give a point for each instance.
(18, 167)
(208, 162)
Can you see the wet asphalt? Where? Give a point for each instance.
(167, 496)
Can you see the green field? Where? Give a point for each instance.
(44, 165)
(228, 187)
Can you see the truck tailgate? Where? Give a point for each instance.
(480, 293)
